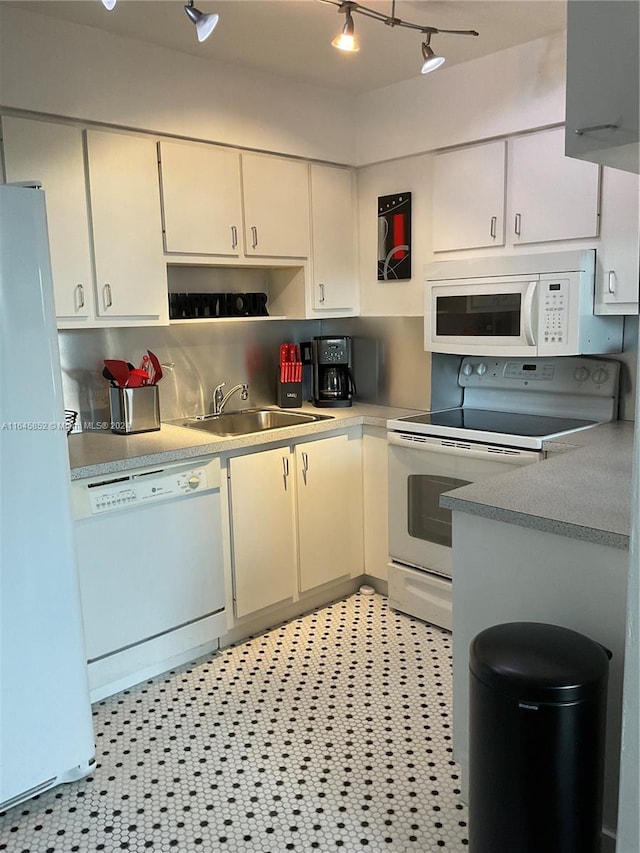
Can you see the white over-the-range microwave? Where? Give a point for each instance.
(533, 305)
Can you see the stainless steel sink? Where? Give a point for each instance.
(248, 421)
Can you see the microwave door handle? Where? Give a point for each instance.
(530, 322)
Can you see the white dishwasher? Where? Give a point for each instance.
(151, 570)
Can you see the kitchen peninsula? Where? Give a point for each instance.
(547, 543)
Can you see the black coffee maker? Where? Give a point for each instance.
(333, 384)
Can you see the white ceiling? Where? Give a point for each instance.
(292, 37)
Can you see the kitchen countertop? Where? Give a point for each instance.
(582, 490)
(93, 454)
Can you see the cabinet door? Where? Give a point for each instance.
(131, 274)
(552, 196)
(276, 206)
(469, 197)
(603, 81)
(53, 155)
(333, 235)
(330, 534)
(618, 256)
(263, 529)
(201, 199)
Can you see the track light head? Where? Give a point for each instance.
(346, 40)
(205, 24)
(109, 4)
(430, 60)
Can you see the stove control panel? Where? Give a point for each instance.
(557, 375)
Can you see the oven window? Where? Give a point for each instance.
(426, 519)
(480, 315)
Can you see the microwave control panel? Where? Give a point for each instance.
(554, 310)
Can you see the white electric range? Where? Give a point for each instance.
(510, 408)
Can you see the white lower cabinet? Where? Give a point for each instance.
(262, 529)
(329, 492)
(296, 520)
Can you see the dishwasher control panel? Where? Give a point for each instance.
(144, 486)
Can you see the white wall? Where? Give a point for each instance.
(51, 66)
(507, 92)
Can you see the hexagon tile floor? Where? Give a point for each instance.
(332, 732)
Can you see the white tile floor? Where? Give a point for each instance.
(332, 732)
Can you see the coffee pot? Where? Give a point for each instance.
(332, 380)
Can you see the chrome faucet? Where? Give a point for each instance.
(220, 398)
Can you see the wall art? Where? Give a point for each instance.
(394, 237)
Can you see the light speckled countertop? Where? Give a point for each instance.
(581, 490)
(583, 493)
(93, 454)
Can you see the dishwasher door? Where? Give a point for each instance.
(151, 569)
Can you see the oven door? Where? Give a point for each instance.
(421, 468)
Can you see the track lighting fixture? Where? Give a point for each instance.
(109, 4)
(346, 40)
(431, 61)
(205, 24)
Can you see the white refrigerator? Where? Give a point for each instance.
(46, 734)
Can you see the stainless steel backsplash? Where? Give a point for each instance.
(389, 363)
(390, 366)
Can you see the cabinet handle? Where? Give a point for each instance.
(254, 237)
(581, 130)
(305, 466)
(321, 299)
(108, 298)
(285, 470)
(234, 236)
(517, 224)
(494, 224)
(80, 295)
(611, 281)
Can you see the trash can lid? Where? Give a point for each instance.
(538, 662)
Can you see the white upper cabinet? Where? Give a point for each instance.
(469, 197)
(131, 276)
(276, 206)
(603, 82)
(53, 155)
(334, 286)
(201, 196)
(618, 256)
(546, 197)
(552, 196)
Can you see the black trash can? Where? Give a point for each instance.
(537, 712)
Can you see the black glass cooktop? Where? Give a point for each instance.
(501, 423)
